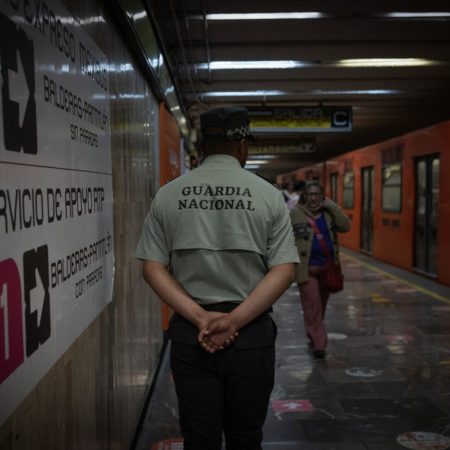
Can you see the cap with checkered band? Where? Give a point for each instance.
(225, 124)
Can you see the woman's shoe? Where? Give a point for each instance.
(319, 354)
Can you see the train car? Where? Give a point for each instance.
(396, 193)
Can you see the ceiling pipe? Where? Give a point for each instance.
(183, 51)
(205, 28)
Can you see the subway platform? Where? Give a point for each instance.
(384, 385)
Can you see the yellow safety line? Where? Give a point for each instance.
(394, 277)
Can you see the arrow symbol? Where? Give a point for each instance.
(37, 296)
(18, 88)
(292, 405)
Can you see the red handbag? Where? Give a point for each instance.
(332, 275)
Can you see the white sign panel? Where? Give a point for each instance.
(56, 219)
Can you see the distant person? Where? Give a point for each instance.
(218, 248)
(292, 193)
(285, 191)
(316, 221)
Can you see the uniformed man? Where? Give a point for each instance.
(218, 248)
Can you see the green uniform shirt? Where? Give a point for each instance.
(219, 229)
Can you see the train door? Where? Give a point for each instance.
(367, 202)
(426, 213)
(334, 187)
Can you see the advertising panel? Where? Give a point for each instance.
(56, 218)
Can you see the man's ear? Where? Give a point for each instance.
(242, 151)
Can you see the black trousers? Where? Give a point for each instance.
(225, 392)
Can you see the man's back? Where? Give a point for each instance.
(219, 223)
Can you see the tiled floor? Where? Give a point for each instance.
(387, 370)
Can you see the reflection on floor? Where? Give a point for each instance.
(384, 385)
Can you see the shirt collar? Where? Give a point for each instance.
(221, 160)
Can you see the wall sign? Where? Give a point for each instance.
(299, 119)
(282, 146)
(56, 218)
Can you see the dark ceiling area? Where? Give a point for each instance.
(389, 61)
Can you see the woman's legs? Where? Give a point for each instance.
(314, 303)
(324, 296)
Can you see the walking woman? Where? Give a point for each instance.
(316, 221)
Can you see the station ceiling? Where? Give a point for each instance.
(388, 60)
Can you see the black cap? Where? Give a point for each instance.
(225, 124)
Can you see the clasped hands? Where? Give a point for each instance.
(217, 331)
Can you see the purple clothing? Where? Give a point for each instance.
(317, 257)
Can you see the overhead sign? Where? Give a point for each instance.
(56, 218)
(296, 119)
(280, 146)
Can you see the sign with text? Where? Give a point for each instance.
(300, 119)
(283, 146)
(56, 218)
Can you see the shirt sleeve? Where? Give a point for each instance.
(281, 247)
(152, 243)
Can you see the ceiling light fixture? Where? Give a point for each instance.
(242, 65)
(291, 64)
(386, 62)
(251, 166)
(302, 93)
(243, 93)
(258, 162)
(259, 157)
(417, 15)
(267, 16)
(355, 92)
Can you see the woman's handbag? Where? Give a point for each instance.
(332, 275)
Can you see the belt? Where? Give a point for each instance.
(226, 307)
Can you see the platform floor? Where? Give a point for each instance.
(386, 378)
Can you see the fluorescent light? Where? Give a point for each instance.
(266, 16)
(355, 92)
(243, 93)
(241, 65)
(258, 162)
(319, 15)
(385, 62)
(304, 93)
(251, 166)
(291, 64)
(416, 15)
(260, 157)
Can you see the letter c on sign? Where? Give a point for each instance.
(340, 119)
(11, 332)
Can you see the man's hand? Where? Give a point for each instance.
(207, 318)
(218, 334)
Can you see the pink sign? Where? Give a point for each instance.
(291, 405)
(399, 338)
(169, 444)
(422, 440)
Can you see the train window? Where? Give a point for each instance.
(348, 189)
(334, 187)
(392, 188)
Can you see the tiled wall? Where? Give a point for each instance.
(92, 397)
